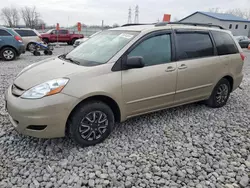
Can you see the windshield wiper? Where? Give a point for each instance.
(69, 59)
(72, 61)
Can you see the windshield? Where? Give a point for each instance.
(49, 31)
(100, 48)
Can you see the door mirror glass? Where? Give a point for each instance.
(135, 62)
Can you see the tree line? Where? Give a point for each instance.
(243, 13)
(30, 16)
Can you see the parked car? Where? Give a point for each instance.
(122, 73)
(29, 36)
(11, 44)
(80, 41)
(62, 36)
(244, 41)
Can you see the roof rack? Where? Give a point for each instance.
(188, 23)
(134, 24)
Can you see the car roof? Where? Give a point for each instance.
(23, 29)
(153, 27)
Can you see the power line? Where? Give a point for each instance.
(129, 15)
(137, 14)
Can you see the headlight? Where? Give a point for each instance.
(46, 89)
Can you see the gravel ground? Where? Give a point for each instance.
(187, 146)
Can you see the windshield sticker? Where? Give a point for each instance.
(125, 35)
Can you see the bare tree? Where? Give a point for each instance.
(215, 10)
(240, 12)
(10, 16)
(30, 16)
(115, 25)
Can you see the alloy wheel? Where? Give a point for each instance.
(93, 125)
(222, 94)
(8, 54)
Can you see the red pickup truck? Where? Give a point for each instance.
(63, 36)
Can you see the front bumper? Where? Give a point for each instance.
(50, 112)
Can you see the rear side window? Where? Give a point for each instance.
(224, 43)
(155, 50)
(4, 33)
(194, 45)
(63, 32)
(26, 33)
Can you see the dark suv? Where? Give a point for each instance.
(11, 44)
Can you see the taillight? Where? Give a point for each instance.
(242, 56)
(18, 38)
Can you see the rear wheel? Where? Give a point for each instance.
(220, 94)
(31, 47)
(91, 123)
(73, 41)
(8, 54)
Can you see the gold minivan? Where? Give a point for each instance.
(121, 73)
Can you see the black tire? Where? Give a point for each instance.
(79, 121)
(69, 43)
(45, 40)
(8, 54)
(73, 41)
(36, 53)
(50, 52)
(220, 94)
(46, 52)
(31, 47)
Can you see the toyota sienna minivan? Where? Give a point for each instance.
(121, 73)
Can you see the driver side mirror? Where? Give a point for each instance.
(135, 62)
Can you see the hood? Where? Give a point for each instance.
(46, 70)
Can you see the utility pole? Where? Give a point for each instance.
(129, 16)
(137, 14)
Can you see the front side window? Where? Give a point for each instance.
(100, 48)
(4, 33)
(194, 45)
(155, 50)
(224, 43)
(54, 32)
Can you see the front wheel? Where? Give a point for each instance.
(220, 94)
(91, 123)
(8, 54)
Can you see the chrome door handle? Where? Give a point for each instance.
(183, 66)
(170, 69)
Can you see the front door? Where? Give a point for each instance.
(63, 35)
(197, 66)
(153, 86)
(53, 36)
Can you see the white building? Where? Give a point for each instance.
(237, 25)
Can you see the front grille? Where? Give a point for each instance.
(17, 91)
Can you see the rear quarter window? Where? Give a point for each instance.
(4, 33)
(224, 43)
(26, 33)
(191, 45)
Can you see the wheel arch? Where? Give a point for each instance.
(105, 99)
(231, 81)
(8, 46)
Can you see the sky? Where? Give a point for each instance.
(92, 12)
